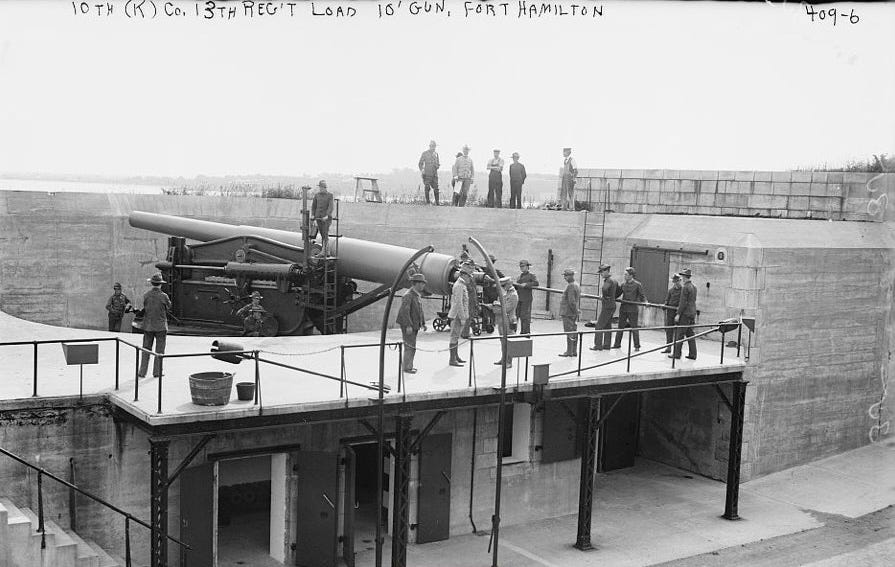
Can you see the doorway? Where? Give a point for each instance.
(364, 486)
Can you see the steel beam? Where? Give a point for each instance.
(401, 516)
(735, 451)
(588, 468)
(158, 501)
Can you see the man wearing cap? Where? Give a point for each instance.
(117, 306)
(517, 178)
(609, 292)
(495, 180)
(253, 316)
(464, 172)
(631, 291)
(411, 319)
(510, 300)
(672, 300)
(459, 313)
(569, 174)
(568, 312)
(686, 316)
(472, 294)
(156, 304)
(524, 284)
(322, 213)
(429, 164)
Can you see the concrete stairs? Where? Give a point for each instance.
(20, 543)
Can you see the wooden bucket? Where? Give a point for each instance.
(211, 388)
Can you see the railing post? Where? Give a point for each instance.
(342, 375)
(34, 395)
(470, 363)
(400, 365)
(580, 350)
(630, 336)
(117, 355)
(722, 347)
(159, 394)
(136, 374)
(40, 510)
(739, 337)
(127, 542)
(258, 401)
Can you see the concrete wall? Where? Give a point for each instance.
(61, 253)
(778, 194)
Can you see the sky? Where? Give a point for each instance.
(646, 85)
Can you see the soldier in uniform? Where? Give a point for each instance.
(322, 213)
(253, 316)
(511, 300)
(429, 164)
(117, 306)
(672, 300)
(489, 296)
(411, 319)
(156, 304)
(524, 283)
(609, 292)
(686, 316)
(459, 313)
(568, 312)
(631, 290)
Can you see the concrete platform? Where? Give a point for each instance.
(287, 391)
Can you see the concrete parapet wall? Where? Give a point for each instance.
(777, 194)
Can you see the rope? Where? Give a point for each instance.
(310, 353)
(436, 350)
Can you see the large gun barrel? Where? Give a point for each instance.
(358, 259)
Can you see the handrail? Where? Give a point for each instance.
(43, 472)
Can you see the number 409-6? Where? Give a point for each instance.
(831, 14)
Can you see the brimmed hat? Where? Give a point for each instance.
(567, 149)
(465, 147)
(467, 267)
(321, 183)
(568, 272)
(604, 268)
(432, 143)
(675, 278)
(686, 273)
(524, 263)
(156, 279)
(116, 286)
(515, 154)
(257, 295)
(630, 270)
(496, 150)
(417, 278)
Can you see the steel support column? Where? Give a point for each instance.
(158, 465)
(588, 468)
(401, 516)
(734, 457)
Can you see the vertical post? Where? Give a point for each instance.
(342, 375)
(400, 365)
(81, 383)
(471, 354)
(158, 500)
(739, 337)
(580, 350)
(40, 510)
(734, 455)
(117, 357)
(588, 468)
(400, 520)
(72, 497)
(34, 395)
(159, 394)
(136, 374)
(722, 347)
(258, 400)
(127, 542)
(630, 336)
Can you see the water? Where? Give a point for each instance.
(55, 186)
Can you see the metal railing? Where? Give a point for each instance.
(398, 346)
(41, 525)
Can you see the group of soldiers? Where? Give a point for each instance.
(679, 306)
(463, 174)
(464, 307)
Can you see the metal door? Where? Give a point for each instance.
(348, 506)
(318, 488)
(197, 515)
(434, 506)
(618, 434)
(652, 271)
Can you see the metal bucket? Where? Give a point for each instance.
(245, 391)
(211, 388)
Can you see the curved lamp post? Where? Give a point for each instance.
(381, 433)
(495, 519)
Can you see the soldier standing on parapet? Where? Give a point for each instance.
(609, 292)
(411, 319)
(524, 283)
(464, 173)
(459, 313)
(568, 312)
(630, 291)
(686, 316)
(117, 306)
(517, 178)
(495, 180)
(672, 300)
(322, 213)
(569, 175)
(429, 164)
(156, 304)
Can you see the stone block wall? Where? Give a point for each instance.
(776, 194)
